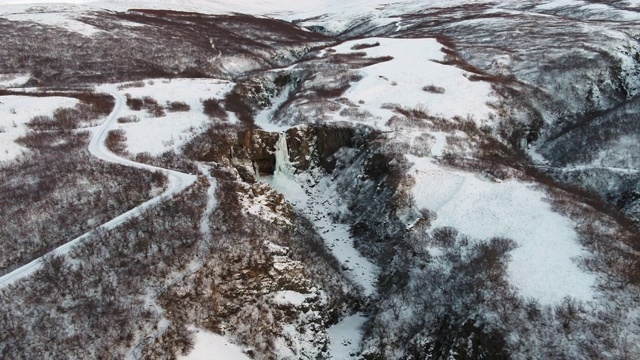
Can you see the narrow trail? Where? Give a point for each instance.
(177, 182)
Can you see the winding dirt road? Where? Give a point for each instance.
(177, 182)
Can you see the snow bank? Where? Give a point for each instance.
(544, 265)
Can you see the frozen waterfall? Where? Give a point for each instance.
(283, 165)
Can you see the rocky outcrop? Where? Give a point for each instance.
(308, 145)
(260, 147)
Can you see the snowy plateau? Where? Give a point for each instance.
(364, 179)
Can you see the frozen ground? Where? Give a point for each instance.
(544, 266)
(15, 111)
(170, 132)
(213, 346)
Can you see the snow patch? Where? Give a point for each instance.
(288, 297)
(346, 336)
(213, 346)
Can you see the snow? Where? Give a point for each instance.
(289, 297)
(213, 346)
(544, 265)
(170, 132)
(398, 82)
(16, 111)
(346, 336)
(558, 3)
(263, 118)
(441, 141)
(212, 201)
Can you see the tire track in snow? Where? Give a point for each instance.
(177, 182)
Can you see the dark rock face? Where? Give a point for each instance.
(260, 146)
(317, 144)
(300, 141)
(329, 139)
(309, 144)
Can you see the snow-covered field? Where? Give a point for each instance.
(399, 82)
(15, 111)
(170, 132)
(544, 266)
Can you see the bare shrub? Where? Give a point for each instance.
(156, 111)
(132, 84)
(91, 107)
(68, 118)
(389, 106)
(358, 60)
(178, 106)
(444, 236)
(568, 312)
(234, 102)
(128, 119)
(365, 46)
(153, 107)
(214, 109)
(354, 76)
(150, 104)
(116, 141)
(433, 89)
(135, 104)
(327, 92)
(40, 122)
(356, 113)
